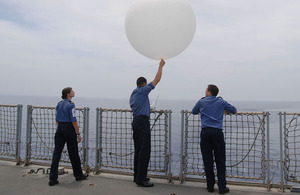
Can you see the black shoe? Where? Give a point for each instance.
(147, 179)
(145, 184)
(53, 182)
(224, 191)
(82, 177)
(210, 189)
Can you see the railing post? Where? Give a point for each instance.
(170, 145)
(182, 155)
(268, 150)
(28, 135)
(19, 130)
(100, 136)
(166, 142)
(86, 138)
(98, 139)
(281, 152)
(285, 130)
(264, 157)
(169, 152)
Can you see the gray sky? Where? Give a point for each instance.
(248, 48)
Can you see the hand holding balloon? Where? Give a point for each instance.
(159, 72)
(162, 62)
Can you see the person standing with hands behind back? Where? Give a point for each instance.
(67, 131)
(140, 105)
(212, 141)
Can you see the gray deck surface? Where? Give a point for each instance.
(16, 180)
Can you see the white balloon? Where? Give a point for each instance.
(160, 28)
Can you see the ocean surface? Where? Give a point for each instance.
(274, 107)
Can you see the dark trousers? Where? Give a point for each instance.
(65, 133)
(213, 148)
(142, 146)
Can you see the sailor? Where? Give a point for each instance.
(211, 109)
(140, 105)
(67, 132)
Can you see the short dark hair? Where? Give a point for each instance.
(214, 90)
(65, 92)
(140, 81)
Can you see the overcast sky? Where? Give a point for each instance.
(249, 48)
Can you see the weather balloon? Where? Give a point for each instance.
(160, 28)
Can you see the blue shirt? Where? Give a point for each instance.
(139, 100)
(65, 111)
(211, 109)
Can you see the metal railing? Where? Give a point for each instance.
(289, 147)
(115, 148)
(246, 135)
(10, 131)
(246, 147)
(41, 128)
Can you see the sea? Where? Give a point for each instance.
(176, 106)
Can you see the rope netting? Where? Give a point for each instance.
(244, 135)
(116, 140)
(245, 145)
(292, 147)
(42, 130)
(8, 130)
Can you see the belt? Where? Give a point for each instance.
(206, 128)
(141, 116)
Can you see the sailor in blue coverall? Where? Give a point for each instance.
(140, 105)
(212, 141)
(67, 132)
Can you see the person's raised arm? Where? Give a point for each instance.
(159, 73)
